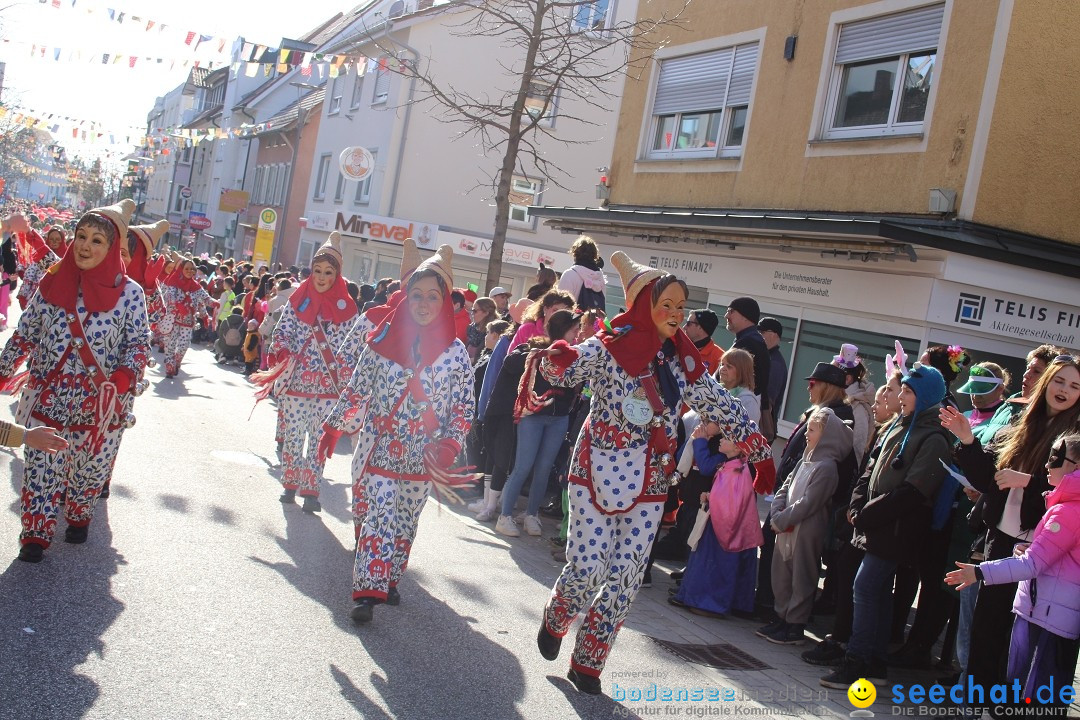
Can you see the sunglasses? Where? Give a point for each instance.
(811, 383)
(1059, 456)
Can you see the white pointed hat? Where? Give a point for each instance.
(410, 258)
(441, 262)
(330, 250)
(150, 234)
(119, 214)
(634, 275)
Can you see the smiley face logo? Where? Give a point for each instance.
(862, 693)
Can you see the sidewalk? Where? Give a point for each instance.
(749, 676)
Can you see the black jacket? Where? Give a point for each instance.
(751, 341)
(505, 391)
(979, 465)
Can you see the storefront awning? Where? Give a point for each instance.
(826, 233)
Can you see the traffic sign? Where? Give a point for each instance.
(185, 192)
(198, 221)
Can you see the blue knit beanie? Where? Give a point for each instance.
(928, 384)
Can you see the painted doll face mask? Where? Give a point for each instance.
(669, 311)
(323, 276)
(425, 299)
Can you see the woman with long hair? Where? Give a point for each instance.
(413, 382)
(640, 376)
(1011, 473)
(309, 374)
(483, 312)
(185, 300)
(85, 337)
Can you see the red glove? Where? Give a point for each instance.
(22, 302)
(328, 441)
(123, 379)
(565, 357)
(764, 476)
(442, 453)
(756, 444)
(153, 271)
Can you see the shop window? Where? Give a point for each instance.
(725, 338)
(818, 342)
(387, 267)
(702, 102)
(882, 73)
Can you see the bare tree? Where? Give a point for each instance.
(568, 49)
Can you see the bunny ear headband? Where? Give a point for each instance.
(898, 363)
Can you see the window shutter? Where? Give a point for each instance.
(890, 35)
(693, 82)
(742, 74)
(382, 82)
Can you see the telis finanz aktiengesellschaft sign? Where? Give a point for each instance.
(1004, 314)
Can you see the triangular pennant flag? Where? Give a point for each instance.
(189, 38)
(250, 69)
(259, 51)
(149, 25)
(283, 56)
(247, 50)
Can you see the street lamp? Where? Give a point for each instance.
(301, 117)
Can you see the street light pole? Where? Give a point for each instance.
(301, 117)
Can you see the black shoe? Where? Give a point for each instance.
(76, 535)
(393, 597)
(827, 653)
(552, 510)
(788, 635)
(363, 612)
(288, 497)
(584, 683)
(104, 492)
(910, 656)
(311, 504)
(547, 643)
(31, 552)
(677, 574)
(676, 602)
(877, 671)
(767, 630)
(850, 670)
(646, 581)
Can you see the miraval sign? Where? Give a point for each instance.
(1004, 314)
(376, 227)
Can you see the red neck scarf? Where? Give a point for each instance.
(177, 280)
(31, 247)
(396, 332)
(636, 342)
(101, 286)
(335, 305)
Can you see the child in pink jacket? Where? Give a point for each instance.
(1046, 626)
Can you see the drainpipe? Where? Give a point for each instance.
(405, 123)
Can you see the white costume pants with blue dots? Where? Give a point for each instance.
(606, 556)
(386, 513)
(300, 459)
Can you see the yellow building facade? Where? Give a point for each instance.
(866, 170)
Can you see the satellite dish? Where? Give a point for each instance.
(397, 9)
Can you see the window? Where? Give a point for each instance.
(321, 176)
(335, 95)
(363, 188)
(592, 16)
(540, 102)
(357, 89)
(271, 184)
(523, 193)
(256, 197)
(882, 74)
(339, 192)
(702, 102)
(283, 184)
(382, 82)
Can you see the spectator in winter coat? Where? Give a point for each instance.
(741, 318)
(860, 396)
(800, 519)
(1046, 627)
(891, 512)
(699, 327)
(771, 331)
(584, 280)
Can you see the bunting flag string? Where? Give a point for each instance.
(87, 130)
(121, 58)
(195, 40)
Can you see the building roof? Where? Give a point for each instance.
(286, 118)
(855, 235)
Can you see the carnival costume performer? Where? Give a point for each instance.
(309, 374)
(35, 257)
(185, 300)
(640, 373)
(144, 268)
(413, 380)
(86, 337)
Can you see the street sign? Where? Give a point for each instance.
(199, 221)
(264, 236)
(185, 192)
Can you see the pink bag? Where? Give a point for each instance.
(733, 509)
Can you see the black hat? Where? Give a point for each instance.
(827, 372)
(707, 320)
(747, 307)
(766, 324)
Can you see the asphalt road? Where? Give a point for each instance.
(198, 595)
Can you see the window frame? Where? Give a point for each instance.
(321, 177)
(333, 107)
(339, 189)
(721, 149)
(593, 28)
(357, 91)
(362, 196)
(382, 74)
(529, 222)
(548, 119)
(823, 129)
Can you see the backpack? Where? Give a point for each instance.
(233, 336)
(591, 299)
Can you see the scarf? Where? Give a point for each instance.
(177, 280)
(396, 333)
(335, 305)
(31, 247)
(634, 343)
(101, 286)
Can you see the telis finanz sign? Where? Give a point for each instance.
(1014, 316)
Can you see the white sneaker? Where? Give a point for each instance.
(477, 505)
(533, 526)
(505, 525)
